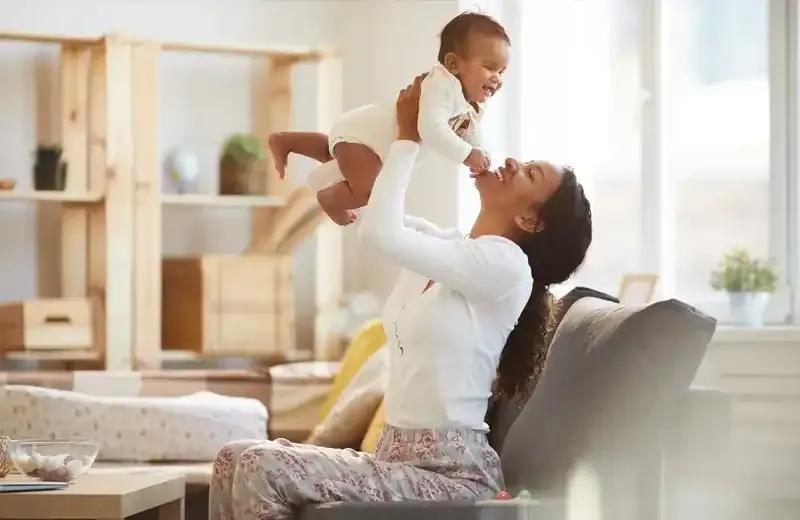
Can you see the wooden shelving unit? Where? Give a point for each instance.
(232, 201)
(65, 197)
(92, 220)
(111, 220)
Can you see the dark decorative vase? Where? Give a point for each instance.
(49, 171)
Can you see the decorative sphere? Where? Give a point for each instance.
(182, 167)
(503, 495)
(524, 495)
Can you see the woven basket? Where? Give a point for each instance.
(241, 178)
(6, 465)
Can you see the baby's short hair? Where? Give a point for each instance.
(455, 35)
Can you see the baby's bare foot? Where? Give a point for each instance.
(279, 149)
(342, 217)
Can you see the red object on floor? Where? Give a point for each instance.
(503, 495)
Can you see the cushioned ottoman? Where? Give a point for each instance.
(148, 383)
(189, 428)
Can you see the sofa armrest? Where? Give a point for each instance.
(685, 466)
(696, 454)
(700, 434)
(445, 510)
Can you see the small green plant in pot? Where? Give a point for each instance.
(749, 283)
(242, 166)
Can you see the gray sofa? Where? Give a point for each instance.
(615, 399)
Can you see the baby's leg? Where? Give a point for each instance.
(309, 144)
(330, 200)
(360, 166)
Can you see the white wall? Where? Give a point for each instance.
(385, 44)
(204, 98)
(760, 371)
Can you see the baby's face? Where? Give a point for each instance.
(481, 71)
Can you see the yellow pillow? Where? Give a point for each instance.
(375, 429)
(365, 343)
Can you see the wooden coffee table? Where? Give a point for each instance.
(100, 496)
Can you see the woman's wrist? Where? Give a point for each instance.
(406, 143)
(408, 136)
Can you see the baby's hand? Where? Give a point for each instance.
(477, 161)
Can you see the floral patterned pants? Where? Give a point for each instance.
(269, 480)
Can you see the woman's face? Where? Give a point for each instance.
(518, 188)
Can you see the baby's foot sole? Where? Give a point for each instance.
(341, 217)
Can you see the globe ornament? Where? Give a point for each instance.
(181, 168)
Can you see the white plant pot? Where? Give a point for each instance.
(748, 309)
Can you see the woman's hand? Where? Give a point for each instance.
(408, 111)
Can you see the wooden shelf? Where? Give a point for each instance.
(49, 38)
(52, 196)
(236, 201)
(273, 51)
(190, 355)
(52, 355)
(285, 52)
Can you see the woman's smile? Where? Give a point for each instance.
(496, 173)
(502, 173)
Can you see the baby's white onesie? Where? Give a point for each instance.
(448, 124)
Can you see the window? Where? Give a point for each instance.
(716, 134)
(583, 75)
(674, 115)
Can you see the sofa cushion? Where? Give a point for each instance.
(504, 411)
(612, 371)
(370, 441)
(349, 419)
(369, 338)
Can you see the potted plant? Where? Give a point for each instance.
(242, 166)
(749, 283)
(49, 171)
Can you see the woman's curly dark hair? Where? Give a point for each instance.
(554, 253)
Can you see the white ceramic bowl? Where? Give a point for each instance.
(53, 461)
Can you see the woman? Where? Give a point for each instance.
(468, 316)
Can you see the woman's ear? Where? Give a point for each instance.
(529, 223)
(451, 63)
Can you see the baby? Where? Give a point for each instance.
(473, 55)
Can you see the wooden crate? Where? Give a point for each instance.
(229, 305)
(47, 324)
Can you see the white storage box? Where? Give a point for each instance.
(298, 392)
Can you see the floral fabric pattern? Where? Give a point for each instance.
(270, 480)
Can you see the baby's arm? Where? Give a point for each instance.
(435, 111)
